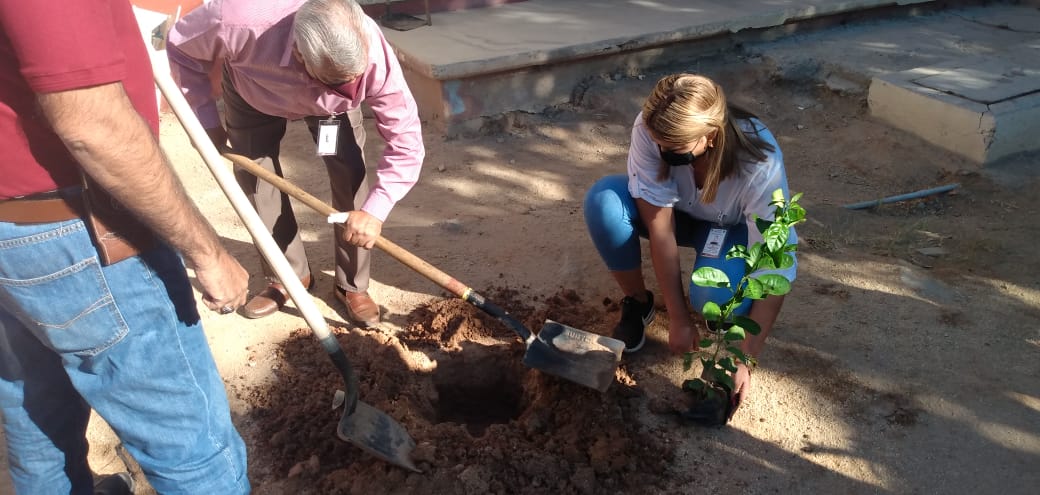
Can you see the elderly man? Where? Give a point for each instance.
(317, 60)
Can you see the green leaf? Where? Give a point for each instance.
(795, 214)
(723, 378)
(765, 263)
(704, 343)
(730, 307)
(775, 284)
(710, 277)
(695, 385)
(687, 362)
(749, 325)
(737, 251)
(734, 333)
(728, 365)
(754, 254)
(776, 236)
(795, 198)
(739, 354)
(778, 197)
(754, 289)
(711, 311)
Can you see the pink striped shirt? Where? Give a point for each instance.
(254, 40)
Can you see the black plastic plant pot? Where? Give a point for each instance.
(705, 410)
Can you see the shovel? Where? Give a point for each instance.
(364, 426)
(576, 355)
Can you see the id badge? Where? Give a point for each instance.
(328, 137)
(713, 245)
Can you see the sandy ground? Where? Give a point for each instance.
(904, 361)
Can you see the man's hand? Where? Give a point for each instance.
(223, 282)
(361, 229)
(682, 335)
(219, 137)
(114, 145)
(741, 387)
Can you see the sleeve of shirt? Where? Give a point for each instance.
(769, 176)
(195, 43)
(644, 165)
(63, 45)
(397, 121)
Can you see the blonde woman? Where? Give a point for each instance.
(699, 170)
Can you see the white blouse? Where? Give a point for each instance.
(740, 197)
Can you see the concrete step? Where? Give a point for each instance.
(471, 65)
(984, 108)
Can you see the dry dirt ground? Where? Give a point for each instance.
(889, 370)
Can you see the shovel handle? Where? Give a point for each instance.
(399, 253)
(262, 238)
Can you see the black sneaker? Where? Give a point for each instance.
(635, 317)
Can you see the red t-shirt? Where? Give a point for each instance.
(57, 45)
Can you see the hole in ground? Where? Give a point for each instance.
(478, 387)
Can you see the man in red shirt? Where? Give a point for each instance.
(79, 330)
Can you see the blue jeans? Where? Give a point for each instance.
(615, 227)
(125, 340)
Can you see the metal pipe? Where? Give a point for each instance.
(902, 197)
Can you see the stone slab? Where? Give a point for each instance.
(508, 37)
(984, 108)
(989, 80)
(526, 56)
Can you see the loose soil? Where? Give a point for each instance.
(904, 361)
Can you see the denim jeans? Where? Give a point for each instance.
(615, 227)
(125, 340)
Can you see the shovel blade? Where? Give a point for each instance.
(582, 357)
(374, 432)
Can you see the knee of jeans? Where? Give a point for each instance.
(605, 200)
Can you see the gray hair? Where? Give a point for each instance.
(330, 39)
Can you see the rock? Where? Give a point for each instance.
(424, 452)
(475, 479)
(313, 465)
(584, 480)
(296, 470)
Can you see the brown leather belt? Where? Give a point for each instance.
(42, 210)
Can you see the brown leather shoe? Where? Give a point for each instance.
(361, 309)
(271, 299)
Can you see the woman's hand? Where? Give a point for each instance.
(682, 335)
(741, 387)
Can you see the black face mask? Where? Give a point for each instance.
(677, 159)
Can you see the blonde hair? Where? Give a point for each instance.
(330, 37)
(683, 108)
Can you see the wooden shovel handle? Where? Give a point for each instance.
(397, 252)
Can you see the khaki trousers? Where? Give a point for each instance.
(258, 136)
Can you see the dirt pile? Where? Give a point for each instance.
(483, 423)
